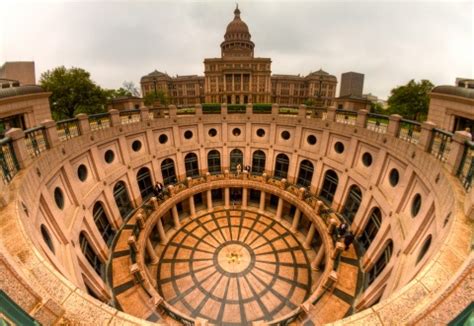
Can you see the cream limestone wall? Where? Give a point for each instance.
(444, 107)
(58, 279)
(35, 107)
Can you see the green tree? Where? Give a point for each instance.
(73, 92)
(160, 97)
(376, 107)
(411, 100)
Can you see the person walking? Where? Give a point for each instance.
(348, 239)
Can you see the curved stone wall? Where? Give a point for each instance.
(52, 285)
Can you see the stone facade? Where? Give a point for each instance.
(50, 275)
(238, 77)
(22, 71)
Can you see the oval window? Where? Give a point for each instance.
(339, 147)
(136, 145)
(311, 139)
(82, 172)
(163, 139)
(188, 134)
(59, 197)
(109, 156)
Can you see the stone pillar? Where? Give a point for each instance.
(244, 197)
(114, 118)
(331, 281)
(331, 113)
(144, 113)
(275, 109)
(161, 231)
(132, 242)
(83, 123)
(319, 203)
(224, 109)
(19, 146)
(226, 197)
(209, 201)
(362, 118)
(173, 111)
(302, 111)
(338, 249)
(456, 152)
(393, 128)
(154, 202)
(318, 259)
(176, 222)
(51, 133)
(192, 207)
(426, 135)
(309, 236)
(279, 209)
(151, 252)
(332, 225)
(140, 221)
(249, 109)
(261, 207)
(296, 220)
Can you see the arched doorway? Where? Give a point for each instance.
(329, 186)
(91, 256)
(122, 199)
(352, 203)
(236, 158)
(168, 172)
(305, 174)
(214, 162)
(381, 263)
(371, 229)
(191, 165)
(258, 162)
(145, 184)
(102, 222)
(281, 166)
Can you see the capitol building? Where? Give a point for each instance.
(267, 216)
(238, 77)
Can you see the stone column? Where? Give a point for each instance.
(309, 236)
(244, 197)
(393, 128)
(331, 114)
(262, 201)
(151, 252)
(176, 222)
(275, 109)
(51, 133)
(318, 259)
(226, 197)
(173, 111)
(362, 118)
(332, 225)
(114, 118)
(209, 200)
(19, 146)
(161, 231)
(302, 111)
(456, 152)
(144, 113)
(279, 209)
(426, 135)
(192, 207)
(83, 123)
(296, 221)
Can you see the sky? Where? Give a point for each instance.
(390, 42)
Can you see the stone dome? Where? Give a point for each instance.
(237, 25)
(237, 41)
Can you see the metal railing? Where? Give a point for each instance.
(36, 141)
(8, 162)
(440, 144)
(129, 116)
(410, 131)
(99, 121)
(466, 169)
(377, 122)
(174, 313)
(346, 117)
(68, 129)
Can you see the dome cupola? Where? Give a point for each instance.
(237, 41)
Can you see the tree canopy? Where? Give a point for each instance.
(411, 100)
(73, 92)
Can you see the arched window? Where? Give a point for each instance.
(371, 229)
(352, 203)
(281, 166)
(47, 238)
(168, 172)
(380, 264)
(258, 162)
(122, 199)
(102, 223)
(305, 174)
(214, 162)
(191, 165)
(91, 256)
(329, 186)
(424, 249)
(236, 158)
(145, 184)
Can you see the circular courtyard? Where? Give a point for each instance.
(234, 267)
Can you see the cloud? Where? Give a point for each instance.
(390, 42)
